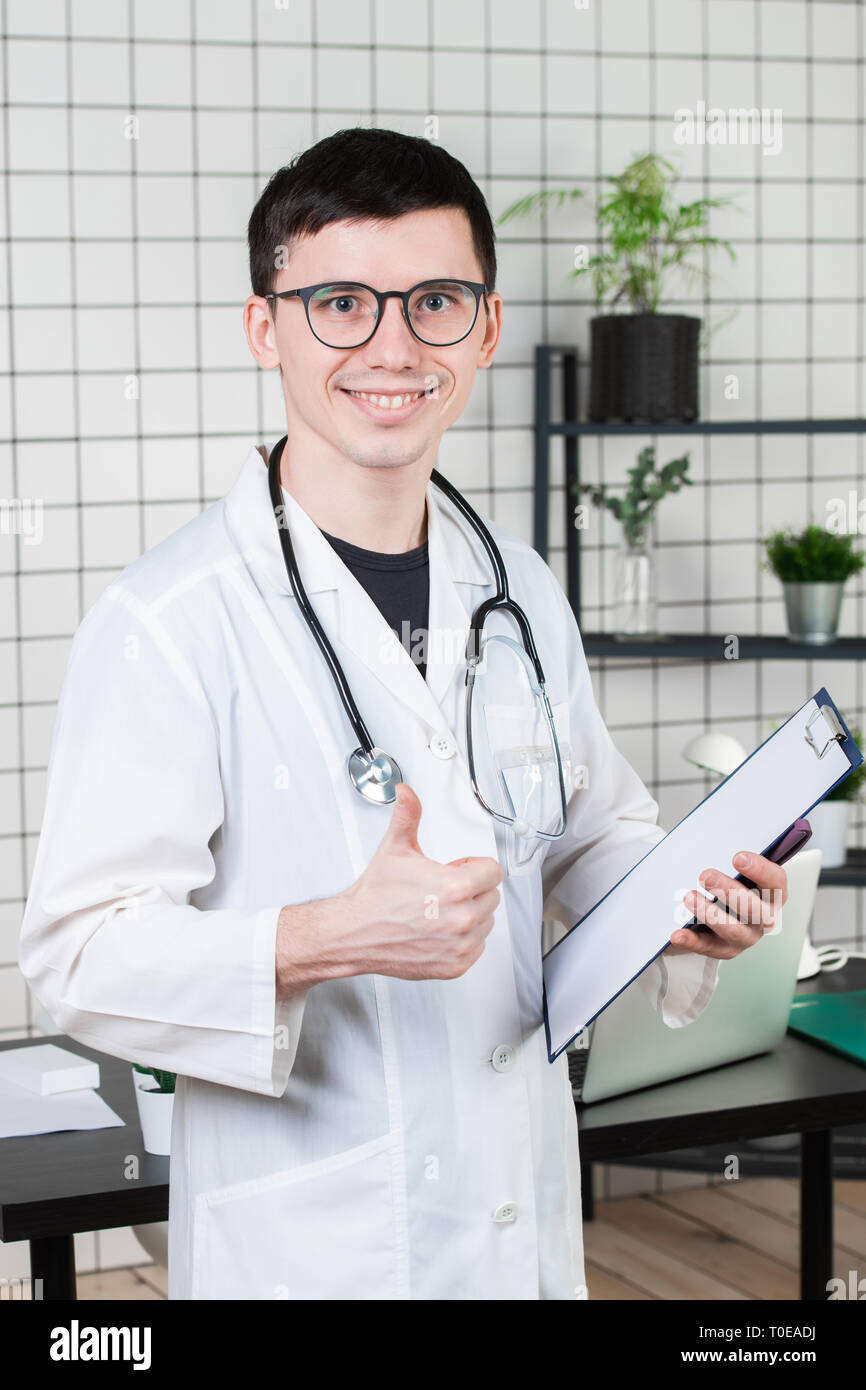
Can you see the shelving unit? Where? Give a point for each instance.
(689, 645)
(705, 646)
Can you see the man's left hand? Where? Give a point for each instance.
(740, 916)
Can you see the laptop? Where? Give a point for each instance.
(629, 1047)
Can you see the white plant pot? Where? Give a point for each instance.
(829, 822)
(154, 1113)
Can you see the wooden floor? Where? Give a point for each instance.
(735, 1240)
(731, 1241)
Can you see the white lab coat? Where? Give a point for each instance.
(356, 1141)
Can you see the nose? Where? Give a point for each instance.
(393, 336)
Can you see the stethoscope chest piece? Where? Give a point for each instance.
(375, 775)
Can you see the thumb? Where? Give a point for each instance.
(402, 832)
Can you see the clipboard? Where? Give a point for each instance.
(757, 804)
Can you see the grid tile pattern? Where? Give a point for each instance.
(136, 136)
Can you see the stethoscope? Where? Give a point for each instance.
(373, 772)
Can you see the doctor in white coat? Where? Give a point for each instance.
(364, 1107)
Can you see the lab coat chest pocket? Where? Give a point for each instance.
(528, 776)
(324, 1230)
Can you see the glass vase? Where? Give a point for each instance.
(635, 604)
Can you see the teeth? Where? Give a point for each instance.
(387, 402)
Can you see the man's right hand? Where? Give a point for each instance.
(419, 919)
(406, 916)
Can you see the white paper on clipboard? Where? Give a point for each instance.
(783, 779)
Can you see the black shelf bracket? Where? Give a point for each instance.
(545, 428)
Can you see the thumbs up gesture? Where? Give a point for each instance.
(412, 917)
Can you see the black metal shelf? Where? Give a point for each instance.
(710, 647)
(576, 427)
(696, 646)
(850, 874)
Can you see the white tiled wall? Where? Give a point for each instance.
(126, 258)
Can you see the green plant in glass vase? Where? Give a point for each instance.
(635, 601)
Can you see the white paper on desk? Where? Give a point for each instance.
(25, 1112)
(781, 781)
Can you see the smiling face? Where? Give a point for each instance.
(328, 424)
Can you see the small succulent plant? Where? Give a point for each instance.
(165, 1080)
(815, 555)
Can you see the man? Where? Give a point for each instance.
(349, 992)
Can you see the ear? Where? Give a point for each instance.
(260, 333)
(492, 330)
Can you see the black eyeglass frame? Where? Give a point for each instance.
(307, 291)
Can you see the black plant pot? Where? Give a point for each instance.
(644, 367)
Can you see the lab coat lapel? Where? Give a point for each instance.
(459, 580)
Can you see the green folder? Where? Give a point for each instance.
(836, 1021)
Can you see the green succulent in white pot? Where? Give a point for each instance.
(830, 819)
(155, 1104)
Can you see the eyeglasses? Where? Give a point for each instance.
(346, 314)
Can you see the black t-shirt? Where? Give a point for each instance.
(399, 585)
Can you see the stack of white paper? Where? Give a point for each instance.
(36, 1095)
(48, 1069)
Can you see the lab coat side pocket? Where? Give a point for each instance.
(324, 1230)
(512, 728)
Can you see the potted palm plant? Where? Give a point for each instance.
(830, 818)
(635, 603)
(154, 1107)
(644, 363)
(813, 566)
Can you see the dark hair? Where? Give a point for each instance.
(357, 174)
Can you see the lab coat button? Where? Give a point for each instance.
(502, 1058)
(506, 1211)
(441, 746)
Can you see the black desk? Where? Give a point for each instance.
(798, 1089)
(53, 1185)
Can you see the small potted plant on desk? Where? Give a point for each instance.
(813, 567)
(154, 1107)
(830, 818)
(635, 603)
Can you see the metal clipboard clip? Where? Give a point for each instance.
(831, 721)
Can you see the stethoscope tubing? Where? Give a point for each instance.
(367, 753)
(362, 733)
